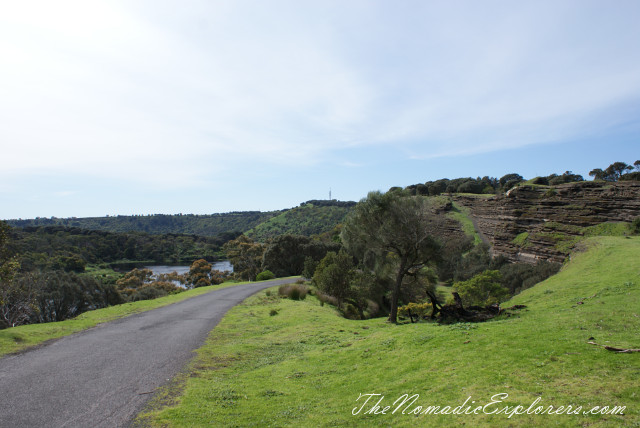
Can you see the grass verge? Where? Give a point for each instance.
(306, 366)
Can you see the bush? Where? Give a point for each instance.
(334, 274)
(520, 276)
(325, 298)
(351, 312)
(265, 275)
(218, 277)
(293, 291)
(421, 310)
(483, 289)
(635, 226)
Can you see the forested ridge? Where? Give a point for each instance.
(72, 248)
(158, 224)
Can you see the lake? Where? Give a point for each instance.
(224, 266)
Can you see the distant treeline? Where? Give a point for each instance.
(158, 224)
(617, 171)
(485, 185)
(71, 248)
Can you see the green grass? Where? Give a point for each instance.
(521, 240)
(463, 215)
(609, 229)
(306, 366)
(18, 338)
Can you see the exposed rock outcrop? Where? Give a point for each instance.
(532, 223)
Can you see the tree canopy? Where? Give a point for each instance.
(392, 230)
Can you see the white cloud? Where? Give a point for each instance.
(181, 94)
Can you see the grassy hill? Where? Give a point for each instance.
(307, 219)
(274, 362)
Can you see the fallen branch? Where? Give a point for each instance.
(613, 349)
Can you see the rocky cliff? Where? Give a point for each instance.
(531, 222)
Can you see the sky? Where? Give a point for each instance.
(145, 107)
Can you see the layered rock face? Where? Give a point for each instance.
(532, 223)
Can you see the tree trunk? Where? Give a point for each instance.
(393, 315)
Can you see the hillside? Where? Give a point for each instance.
(310, 218)
(297, 363)
(157, 224)
(532, 222)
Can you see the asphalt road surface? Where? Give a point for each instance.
(103, 376)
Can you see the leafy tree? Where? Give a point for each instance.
(8, 263)
(64, 295)
(395, 230)
(614, 172)
(309, 267)
(199, 274)
(136, 278)
(510, 180)
(17, 303)
(245, 256)
(483, 289)
(284, 255)
(334, 274)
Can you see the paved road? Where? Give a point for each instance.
(103, 376)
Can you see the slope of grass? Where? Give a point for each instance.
(463, 216)
(18, 338)
(306, 366)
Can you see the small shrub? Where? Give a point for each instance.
(265, 275)
(293, 291)
(349, 311)
(273, 312)
(421, 310)
(635, 226)
(483, 289)
(218, 277)
(325, 298)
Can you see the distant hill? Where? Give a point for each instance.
(158, 224)
(310, 218)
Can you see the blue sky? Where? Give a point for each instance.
(142, 107)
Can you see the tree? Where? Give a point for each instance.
(17, 303)
(199, 274)
(8, 264)
(395, 230)
(245, 256)
(284, 255)
(333, 275)
(509, 180)
(614, 172)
